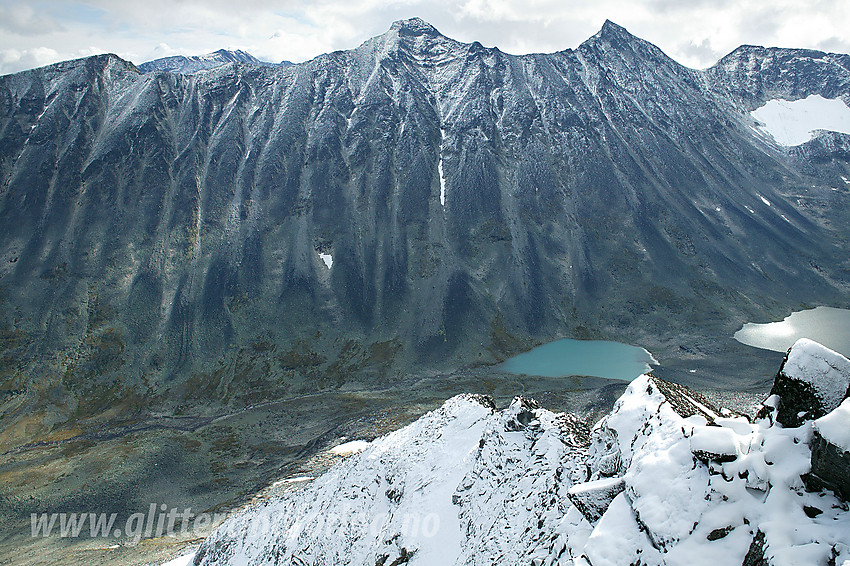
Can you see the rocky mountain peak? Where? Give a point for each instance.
(414, 26)
(614, 42)
(614, 35)
(611, 30)
(194, 63)
(236, 55)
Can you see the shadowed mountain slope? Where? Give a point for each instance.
(161, 232)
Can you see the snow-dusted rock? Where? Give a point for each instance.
(811, 382)
(835, 427)
(697, 512)
(714, 443)
(391, 502)
(515, 495)
(654, 450)
(460, 485)
(593, 498)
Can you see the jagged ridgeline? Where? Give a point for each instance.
(414, 202)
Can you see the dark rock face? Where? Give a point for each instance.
(755, 555)
(798, 401)
(593, 498)
(830, 467)
(161, 232)
(684, 401)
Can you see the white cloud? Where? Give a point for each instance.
(21, 18)
(695, 33)
(13, 60)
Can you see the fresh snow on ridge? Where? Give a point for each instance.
(394, 496)
(673, 484)
(181, 561)
(794, 123)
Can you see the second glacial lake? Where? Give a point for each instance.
(596, 358)
(827, 325)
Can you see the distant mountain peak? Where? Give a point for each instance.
(615, 38)
(414, 26)
(612, 34)
(612, 30)
(234, 53)
(188, 64)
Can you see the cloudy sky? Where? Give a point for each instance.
(694, 32)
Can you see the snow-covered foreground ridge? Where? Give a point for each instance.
(663, 479)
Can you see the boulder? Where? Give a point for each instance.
(831, 452)
(812, 381)
(593, 498)
(714, 443)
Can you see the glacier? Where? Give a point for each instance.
(796, 122)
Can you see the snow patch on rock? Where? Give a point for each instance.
(440, 169)
(349, 448)
(327, 258)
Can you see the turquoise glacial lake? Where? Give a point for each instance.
(568, 357)
(827, 325)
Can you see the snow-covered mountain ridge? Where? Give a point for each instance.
(189, 64)
(663, 479)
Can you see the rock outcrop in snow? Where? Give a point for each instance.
(664, 478)
(831, 452)
(811, 382)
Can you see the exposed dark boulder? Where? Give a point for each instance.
(755, 555)
(831, 453)
(593, 498)
(812, 381)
